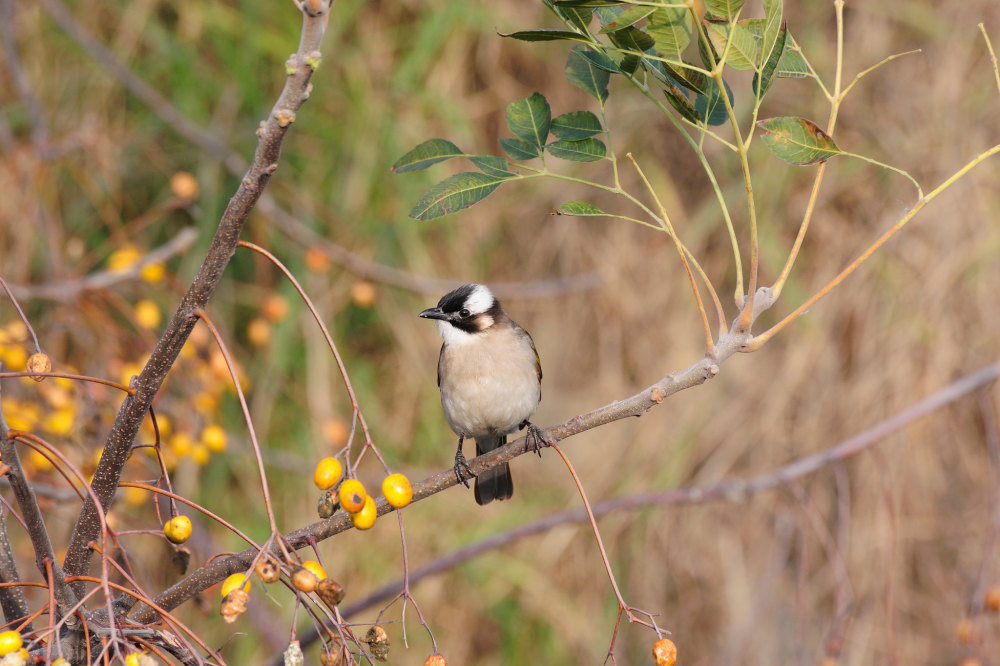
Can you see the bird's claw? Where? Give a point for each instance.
(535, 437)
(462, 470)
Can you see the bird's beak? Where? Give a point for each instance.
(434, 313)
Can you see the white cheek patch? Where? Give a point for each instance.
(452, 335)
(480, 300)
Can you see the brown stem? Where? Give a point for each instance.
(271, 132)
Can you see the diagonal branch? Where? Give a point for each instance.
(299, 68)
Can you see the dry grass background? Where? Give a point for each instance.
(737, 583)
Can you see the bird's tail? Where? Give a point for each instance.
(493, 484)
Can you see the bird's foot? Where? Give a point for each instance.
(534, 436)
(462, 470)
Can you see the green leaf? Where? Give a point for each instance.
(455, 193)
(519, 149)
(744, 52)
(629, 64)
(679, 101)
(632, 39)
(762, 81)
(492, 165)
(671, 30)
(588, 150)
(581, 208)
(578, 16)
(427, 153)
(706, 51)
(797, 140)
(792, 65)
(576, 125)
(769, 30)
(529, 119)
(586, 75)
(711, 107)
(599, 60)
(629, 17)
(724, 8)
(586, 3)
(546, 35)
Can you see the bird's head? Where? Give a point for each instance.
(466, 311)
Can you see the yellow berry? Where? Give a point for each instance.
(132, 659)
(315, 568)
(275, 307)
(147, 314)
(328, 471)
(237, 580)
(10, 641)
(365, 518)
(123, 259)
(180, 443)
(178, 529)
(184, 186)
(153, 273)
(352, 495)
(664, 652)
(214, 437)
(363, 294)
(61, 661)
(397, 490)
(38, 362)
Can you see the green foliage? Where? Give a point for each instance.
(797, 140)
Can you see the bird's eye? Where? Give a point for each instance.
(464, 312)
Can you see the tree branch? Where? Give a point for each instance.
(299, 67)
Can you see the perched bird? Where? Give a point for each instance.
(490, 380)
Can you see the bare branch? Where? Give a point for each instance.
(299, 67)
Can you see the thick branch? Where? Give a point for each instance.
(300, 67)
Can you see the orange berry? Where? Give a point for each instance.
(38, 362)
(363, 294)
(364, 519)
(259, 332)
(304, 580)
(184, 186)
(397, 490)
(336, 432)
(992, 598)
(178, 529)
(664, 652)
(316, 260)
(275, 307)
(268, 569)
(328, 471)
(378, 642)
(435, 660)
(352, 495)
(967, 632)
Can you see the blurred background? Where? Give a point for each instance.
(881, 560)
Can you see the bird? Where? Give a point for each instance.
(490, 379)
